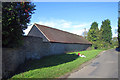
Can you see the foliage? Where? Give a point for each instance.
(93, 35)
(56, 65)
(119, 31)
(106, 33)
(15, 18)
(101, 39)
(0, 12)
(101, 45)
(93, 32)
(114, 42)
(94, 26)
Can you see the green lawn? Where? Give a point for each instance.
(55, 66)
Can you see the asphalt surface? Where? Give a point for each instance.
(104, 66)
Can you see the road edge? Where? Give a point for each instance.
(82, 65)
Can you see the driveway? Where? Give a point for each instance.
(104, 66)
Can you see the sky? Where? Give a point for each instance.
(74, 17)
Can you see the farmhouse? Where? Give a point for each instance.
(61, 41)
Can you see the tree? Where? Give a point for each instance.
(114, 42)
(119, 32)
(94, 26)
(15, 18)
(106, 33)
(85, 34)
(93, 32)
(0, 12)
(119, 24)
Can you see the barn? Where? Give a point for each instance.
(60, 41)
(41, 41)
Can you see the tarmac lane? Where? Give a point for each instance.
(104, 66)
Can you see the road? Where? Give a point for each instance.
(104, 66)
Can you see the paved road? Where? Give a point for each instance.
(105, 66)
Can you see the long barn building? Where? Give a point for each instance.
(61, 41)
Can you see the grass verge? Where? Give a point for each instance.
(55, 66)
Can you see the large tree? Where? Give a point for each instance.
(119, 32)
(94, 26)
(93, 32)
(15, 19)
(106, 33)
(119, 24)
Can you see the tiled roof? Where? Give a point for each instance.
(55, 35)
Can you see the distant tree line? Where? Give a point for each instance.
(101, 39)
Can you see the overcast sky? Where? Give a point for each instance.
(74, 17)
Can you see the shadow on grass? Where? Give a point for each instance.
(47, 61)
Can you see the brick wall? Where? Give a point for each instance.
(33, 48)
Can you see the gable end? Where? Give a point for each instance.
(37, 33)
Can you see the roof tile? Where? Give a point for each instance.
(56, 35)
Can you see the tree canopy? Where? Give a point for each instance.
(94, 26)
(93, 32)
(101, 38)
(106, 32)
(119, 32)
(15, 19)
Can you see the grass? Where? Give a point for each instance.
(54, 66)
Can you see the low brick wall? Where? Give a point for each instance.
(33, 48)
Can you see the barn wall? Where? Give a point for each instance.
(33, 48)
(57, 48)
(76, 47)
(36, 33)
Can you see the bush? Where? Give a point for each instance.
(15, 19)
(101, 45)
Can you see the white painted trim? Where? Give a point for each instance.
(42, 32)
